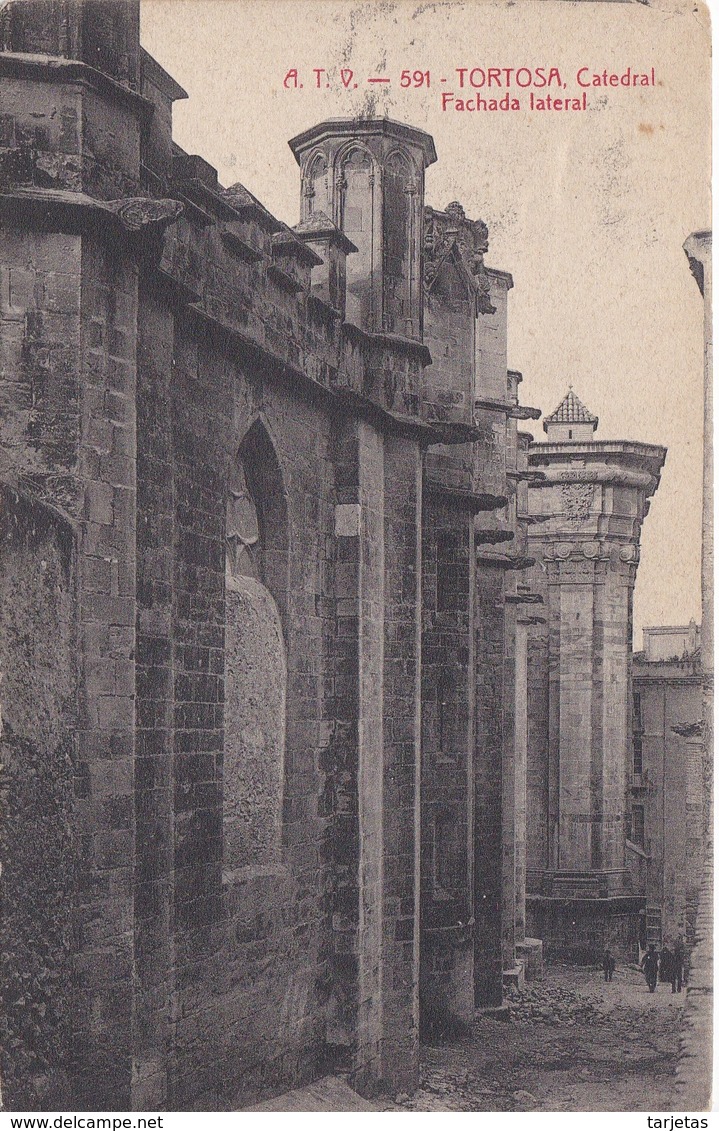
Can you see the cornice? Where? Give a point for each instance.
(490, 405)
(362, 128)
(501, 276)
(604, 461)
(57, 69)
(580, 549)
(341, 398)
(463, 500)
(409, 346)
(616, 475)
(76, 211)
(504, 561)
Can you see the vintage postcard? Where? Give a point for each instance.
(356, 556)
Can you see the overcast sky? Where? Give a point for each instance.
(588, 210)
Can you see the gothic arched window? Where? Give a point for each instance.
(400, 196)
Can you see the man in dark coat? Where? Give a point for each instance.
(608, 964)
(677, 965)
(666, 964)
(650, 966)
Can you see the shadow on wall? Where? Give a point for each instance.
(39, 778)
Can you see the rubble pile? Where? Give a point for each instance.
(446, 1090)
(568, 1041)
(553, 1005)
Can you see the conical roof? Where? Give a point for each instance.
(571, 411)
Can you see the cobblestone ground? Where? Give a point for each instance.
(574, 1043)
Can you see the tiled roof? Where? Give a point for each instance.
(317, 222)
(571, 411)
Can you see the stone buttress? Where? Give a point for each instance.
(472, 550)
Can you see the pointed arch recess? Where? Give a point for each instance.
(255, 656)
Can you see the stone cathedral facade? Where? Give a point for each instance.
(274, 802)
(264, 520)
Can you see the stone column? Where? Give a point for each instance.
(527, 950)
(363, 195)
(520, 777)
(373, 1017)
(446, 987)
(155, 662)
(487, 774)
(401, 798)
(696, 1068)
(354, 1028)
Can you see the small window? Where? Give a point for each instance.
(570, 433)
(638, 757)
(447, 572)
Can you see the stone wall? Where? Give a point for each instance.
(249, 946)
(238, 478)
(68, 337)
(40, 779)
(106, 582)
(695, 1068)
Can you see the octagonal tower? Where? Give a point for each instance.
(367, 176)
(588, 512)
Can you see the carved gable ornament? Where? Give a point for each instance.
(144, 213)
(577, 500)
(450, 233)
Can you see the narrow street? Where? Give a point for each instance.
(573, 1043)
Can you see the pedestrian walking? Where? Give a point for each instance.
(608, 964)
(666, 963)
(650, 966)
(677, 965)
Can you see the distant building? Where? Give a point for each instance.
(664, 837)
